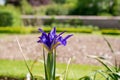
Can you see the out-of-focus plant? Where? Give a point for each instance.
(110, 31)
(94, 7)
(57, 10)
(50, 42)
(26, 8)
(28, 30)
(112, 71)
(9, 16)
(16, 30)
(6, 18)
(59, 1)
(29, 75)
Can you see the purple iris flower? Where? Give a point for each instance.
(52, 40)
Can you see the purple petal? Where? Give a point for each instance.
(68, 36)
(52, 39)
(45, 40)
(52, 35)
(64, 41)
(41, 30)
(53, 31)
(61, 40)
(61, 33)
(39, 41)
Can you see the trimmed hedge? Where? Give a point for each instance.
(110, 32)
(75, 30)
(17, 30)
(26, 30)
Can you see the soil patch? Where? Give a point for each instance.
(78, 47)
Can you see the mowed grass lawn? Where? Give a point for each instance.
(17, 69)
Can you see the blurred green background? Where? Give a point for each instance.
(13, 14)
(26, 16)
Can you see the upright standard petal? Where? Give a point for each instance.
(52, 34)
(53, 31)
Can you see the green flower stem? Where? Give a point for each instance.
(50, 65)
(46, 78)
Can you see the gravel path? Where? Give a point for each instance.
(79, 46)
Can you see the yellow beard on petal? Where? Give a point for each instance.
(52, 48)
(55, 45)
(46, 47)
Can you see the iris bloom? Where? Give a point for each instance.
(51, 40)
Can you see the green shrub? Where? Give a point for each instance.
(104, 14)
(9, 16)
(26, 8)
(116, 8)
(93, 7)
(6, 18)
(56, 10)
(53, 9)
(59, 1)
(110, 32)
(73, 22)
(50, 21)
(71, 1)
(41, 10)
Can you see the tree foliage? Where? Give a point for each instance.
(94, 7)
(59, 1)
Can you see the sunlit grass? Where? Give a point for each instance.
(17, 69)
